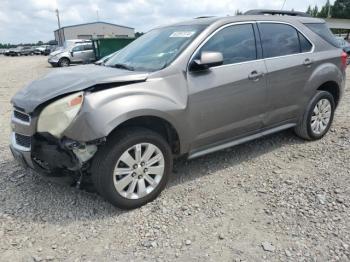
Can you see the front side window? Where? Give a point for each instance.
(236, 43)
(279, 39)
(156, 49)
(77, 48)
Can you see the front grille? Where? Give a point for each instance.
(21, 116)
(23, 140)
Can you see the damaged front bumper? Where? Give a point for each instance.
(47, 154)
(44, 152)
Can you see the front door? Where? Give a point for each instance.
(228, 101)
(77, 54)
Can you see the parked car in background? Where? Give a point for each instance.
(39, 50)
(77, 53)
(44, 49)
(187, 89)
(345, 45)
(7, 52)
(48, 50)
(22, 50)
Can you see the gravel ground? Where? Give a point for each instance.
(275, 199)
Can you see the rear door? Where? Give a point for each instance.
(88, 53)
(228, 101)
(289, 60)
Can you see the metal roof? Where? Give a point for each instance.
(98, 22)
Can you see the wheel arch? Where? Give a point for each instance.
(156, 123)
(326, 77)
(333, 88)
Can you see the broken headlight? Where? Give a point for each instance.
(57, 116)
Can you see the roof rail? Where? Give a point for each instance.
(201, 17)
(276, 12)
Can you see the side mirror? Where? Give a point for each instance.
(72, 53)
(207, 60)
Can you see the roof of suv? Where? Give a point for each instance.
(242, 18)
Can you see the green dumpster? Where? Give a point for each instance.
(106, 46)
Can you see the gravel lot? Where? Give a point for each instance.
(275, 199)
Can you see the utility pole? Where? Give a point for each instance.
(59, 27)
(284, 3)
(97, 15)
(329, 10)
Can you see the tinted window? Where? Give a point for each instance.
(279, 40)
(323, 31)
(236, 43)
(88, 47)
(305, 44)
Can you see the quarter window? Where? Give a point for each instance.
(236, 43)
(279, 40)
(305, 45)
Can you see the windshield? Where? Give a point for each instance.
(156, 49)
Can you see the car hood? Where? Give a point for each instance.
(68, 80)
(59, 51)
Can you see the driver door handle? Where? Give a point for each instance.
(255, 75)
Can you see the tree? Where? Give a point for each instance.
(341, 9)
(237, 12)
(314, 11)
(309, 10)
(325, 10)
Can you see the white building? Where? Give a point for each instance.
(92, 30)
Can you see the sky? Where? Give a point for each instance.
(28, 21)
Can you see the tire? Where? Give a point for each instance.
(63, 62)
(109, 158)
(306, 127)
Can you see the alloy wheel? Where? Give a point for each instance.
(138, 171)
(321, 116)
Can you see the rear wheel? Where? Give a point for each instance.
(63, 62)
(132, 168)
(318, 117)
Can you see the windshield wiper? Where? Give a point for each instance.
(123, 66)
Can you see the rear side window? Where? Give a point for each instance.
(88, 47)
(236, 43)
(305, 44)
(323, 31)
(279, 39)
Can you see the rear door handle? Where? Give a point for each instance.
(308, 62)
(255, 75)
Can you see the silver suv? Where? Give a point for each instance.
(190, 88)
(79, 53)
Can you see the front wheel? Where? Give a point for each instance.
(317, 118)
(132, 168)
(63, 62)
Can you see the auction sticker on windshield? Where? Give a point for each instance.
(182, 34)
